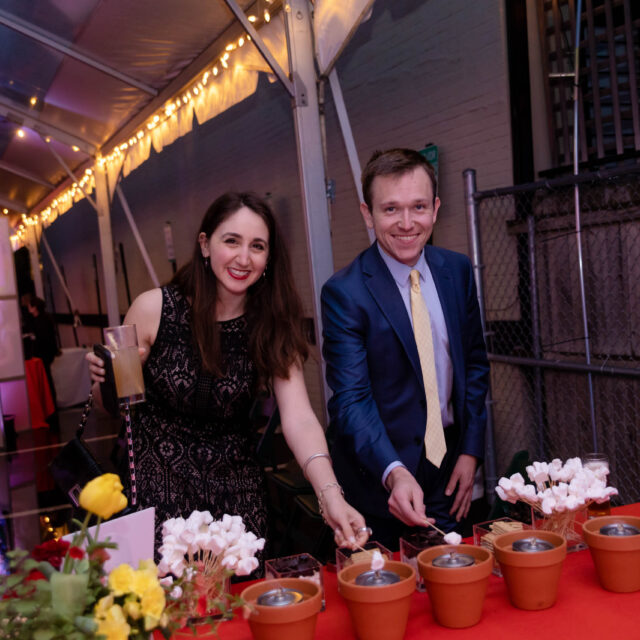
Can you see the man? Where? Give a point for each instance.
(375, 366)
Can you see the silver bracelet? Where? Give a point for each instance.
(329, 485)
(310, 458)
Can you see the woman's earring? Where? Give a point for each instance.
(207, 262)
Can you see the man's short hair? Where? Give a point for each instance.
(394, 162)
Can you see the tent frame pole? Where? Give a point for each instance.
(103, 207)
(306, 117)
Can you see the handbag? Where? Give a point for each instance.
(75, 465)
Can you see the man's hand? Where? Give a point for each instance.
(406, 501)
(462, 476)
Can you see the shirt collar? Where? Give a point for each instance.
(400, 271)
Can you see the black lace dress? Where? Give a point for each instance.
(194, 446)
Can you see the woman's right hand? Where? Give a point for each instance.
(96, 367)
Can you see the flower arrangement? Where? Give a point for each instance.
(199, 555)
(61, 591)
(558, 490)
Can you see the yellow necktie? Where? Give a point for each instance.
(434, 442)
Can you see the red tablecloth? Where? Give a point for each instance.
(583, 610)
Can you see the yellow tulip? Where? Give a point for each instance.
(121, 580)
(103, 496)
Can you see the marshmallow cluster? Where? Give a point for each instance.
(558, 487)
(199, 540)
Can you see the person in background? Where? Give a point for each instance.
(228, 326)
(44, 341)
(407, 419)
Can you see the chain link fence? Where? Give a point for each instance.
(559, 286)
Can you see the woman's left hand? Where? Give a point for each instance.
(349, 527)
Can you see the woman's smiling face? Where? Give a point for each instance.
(238, 250)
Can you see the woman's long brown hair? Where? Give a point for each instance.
(273, 308)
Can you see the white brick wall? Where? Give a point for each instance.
(416, 72)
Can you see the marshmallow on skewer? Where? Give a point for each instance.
(452, 538)
(377, 561)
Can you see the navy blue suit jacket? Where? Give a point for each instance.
(378, 408)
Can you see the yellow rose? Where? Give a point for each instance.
(103, 496)
(103, 605)
(142, 582)
(131, 608)
(114, 625)
(152, 605)
(148, 565)
(121, 580)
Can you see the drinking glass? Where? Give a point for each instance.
(593, 461)
(122, 341)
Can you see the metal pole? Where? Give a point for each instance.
(56, 268)
(106, 247)
(310, 158)
(576, 199)
(125, 275)
(348, 139)
(535, 333)
(73, 311)
(138, 237)
(34, 259)
(490, 471)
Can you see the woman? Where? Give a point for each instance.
(228, 325)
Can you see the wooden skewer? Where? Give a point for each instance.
(430, 524)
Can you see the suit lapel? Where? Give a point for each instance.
(385, 292)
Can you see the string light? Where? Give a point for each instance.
(65, 200)
(33, 101)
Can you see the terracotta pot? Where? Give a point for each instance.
(616, 558)
(291, 622)
(532, 578)
(381, 612)
(456, 594)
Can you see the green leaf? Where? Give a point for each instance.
(46, 568)
(86, 623)
(83, 565)
(43, 634)
(13, 581)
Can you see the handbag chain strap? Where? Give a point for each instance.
(85, 415)
(126, 410)
(132, 467)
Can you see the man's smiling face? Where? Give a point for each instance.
(403, 213)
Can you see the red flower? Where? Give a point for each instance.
(52, 552)
(34, 574)
(76, 553)
(100, 555)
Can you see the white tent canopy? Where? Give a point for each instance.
(89, 90)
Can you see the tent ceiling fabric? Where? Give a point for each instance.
(150, 41)
(333, 26)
